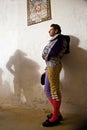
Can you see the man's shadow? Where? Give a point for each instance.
(26, 78)
(74, 82)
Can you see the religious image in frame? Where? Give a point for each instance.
(38, 11)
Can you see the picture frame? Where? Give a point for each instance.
(38, 11)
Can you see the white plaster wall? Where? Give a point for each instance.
(71, 15)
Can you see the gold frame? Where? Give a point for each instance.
(43, 11)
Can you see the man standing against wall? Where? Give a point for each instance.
(52, 54)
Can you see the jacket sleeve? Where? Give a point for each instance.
(55, 50)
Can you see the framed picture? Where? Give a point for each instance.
(38, 11)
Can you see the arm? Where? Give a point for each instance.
(9, 66)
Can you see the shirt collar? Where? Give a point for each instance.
(54, 37)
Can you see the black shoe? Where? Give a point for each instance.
(47, 123)
(49, 116)
(60, 117)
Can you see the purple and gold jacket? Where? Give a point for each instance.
(54, 50)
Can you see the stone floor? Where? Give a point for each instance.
(17, 118)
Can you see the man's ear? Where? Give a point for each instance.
(56, 31)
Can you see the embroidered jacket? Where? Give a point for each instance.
(54, 50)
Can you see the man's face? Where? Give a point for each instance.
(52, 31)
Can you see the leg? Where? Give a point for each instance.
(47, 87)
(48, 91)
(53, 76)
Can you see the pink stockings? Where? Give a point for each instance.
(56, 109)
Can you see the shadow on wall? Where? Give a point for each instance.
(27, 88)
(1, 71)
(5, 92)
(74, 83)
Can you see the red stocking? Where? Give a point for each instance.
(56, 112)
(51, 101)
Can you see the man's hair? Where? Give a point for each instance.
(56, 26)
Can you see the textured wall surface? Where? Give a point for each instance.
(15, 35)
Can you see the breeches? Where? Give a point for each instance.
(52, 82)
